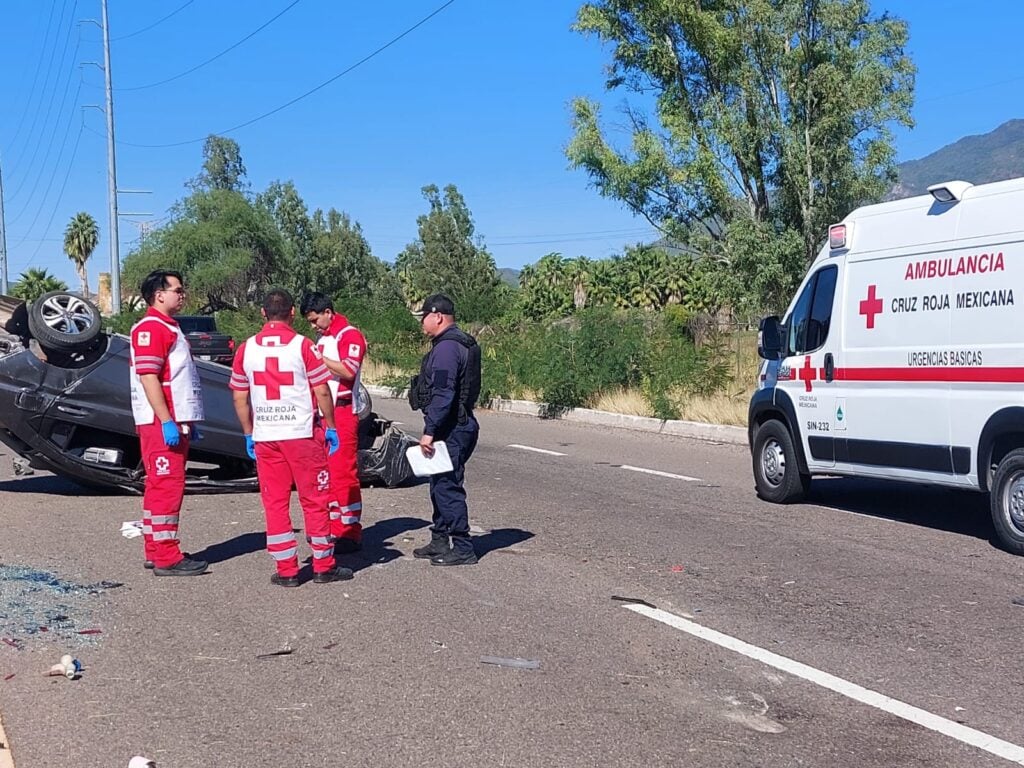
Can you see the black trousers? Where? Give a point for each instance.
(447, 494)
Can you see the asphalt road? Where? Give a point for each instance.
(892, 589)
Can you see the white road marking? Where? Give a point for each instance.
(536, 450)
(659, 473)
(975, 738)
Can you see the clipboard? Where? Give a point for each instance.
(437, 464)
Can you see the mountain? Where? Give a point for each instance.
(509, 276)
(993, 156)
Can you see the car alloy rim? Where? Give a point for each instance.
(1013, 500)
(66, 314)
(773, 462)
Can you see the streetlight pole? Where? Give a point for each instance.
(3, 238)
(115, 256)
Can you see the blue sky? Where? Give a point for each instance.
(477, 96)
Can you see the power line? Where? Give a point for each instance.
(214, 58)
(35, 77)
(49, 184)
(310, 92)
(46, 79)
(60, 196)
(38, 176)
(154, 24)
(49, 108)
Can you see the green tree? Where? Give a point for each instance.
(775, 111)
(447, 257)
(80, 239)
(34, 282)
(228, 248)
(222, 166)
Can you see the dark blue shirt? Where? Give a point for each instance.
(446, 364)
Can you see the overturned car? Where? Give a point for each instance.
(65, 407)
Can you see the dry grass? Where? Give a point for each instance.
(628, 401)
(378, 373)
(720, 408)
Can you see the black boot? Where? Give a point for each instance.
(437, 547)
(455, 557)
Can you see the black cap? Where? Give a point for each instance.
(437, 302)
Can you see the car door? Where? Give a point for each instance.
(804, 375)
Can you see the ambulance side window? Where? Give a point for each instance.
(812, 315)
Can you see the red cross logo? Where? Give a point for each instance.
(871, 306)
(273, 379)
(807, 374)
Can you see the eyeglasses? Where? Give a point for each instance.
(179, 291)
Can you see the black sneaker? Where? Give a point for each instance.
(337, 573)
(184, 567)
(437, 547)
(346, 546)
(284, 581)
(453, 557)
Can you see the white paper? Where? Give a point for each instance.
(131, 529)
(422, 466)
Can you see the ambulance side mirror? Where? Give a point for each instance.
(770, 338)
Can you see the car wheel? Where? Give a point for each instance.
(64, 321)
(1007, 502)
(365, 403)
(776, 474)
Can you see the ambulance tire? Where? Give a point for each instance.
(1007, 502)
(777, 475)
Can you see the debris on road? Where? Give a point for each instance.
(131, 529)
(636, 600)
(40, 603)
(516, 663)
(677, 569)
(9, 677)
(68, 667)
(21, 467)
(1018, 601)
(286, 651)
(141, 762)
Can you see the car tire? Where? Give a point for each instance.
(1006, 500)
(777, 475)
(64, 321)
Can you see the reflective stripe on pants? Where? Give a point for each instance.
(280, 463)
(164, 490)
(346, 521)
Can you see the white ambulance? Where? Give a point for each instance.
(902, 354)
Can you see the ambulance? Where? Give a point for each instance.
(901, 356)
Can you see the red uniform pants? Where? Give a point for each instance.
(164, 490)
(346, 495)
(301, 461)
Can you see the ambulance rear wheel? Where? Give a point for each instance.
(1007, 501)
(777, 475)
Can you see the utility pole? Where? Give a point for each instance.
(3, 237)
(115, 256)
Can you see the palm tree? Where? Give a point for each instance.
(34, 282)
(80, 239)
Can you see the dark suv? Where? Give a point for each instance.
(206, 341)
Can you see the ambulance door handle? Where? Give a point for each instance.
(830, 366)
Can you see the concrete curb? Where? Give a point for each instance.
(695, 430)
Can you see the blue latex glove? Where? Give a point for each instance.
(250, 447)
(171, 434)
(331, 438)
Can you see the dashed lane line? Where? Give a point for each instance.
(954, 730)
(659, 473)
(536, 450)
